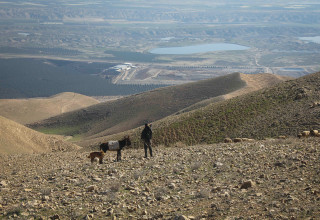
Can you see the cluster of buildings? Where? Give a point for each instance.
(123, 67)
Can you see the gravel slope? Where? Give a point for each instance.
(271, 179)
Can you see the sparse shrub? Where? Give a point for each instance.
(115, 187)
(110, 197)
(179, 144)
(150, 164)
(75, 214)
(160, 192)
(14, 211)
(203, 193)
(160, 146)
(138, 174)
(195, 166)
(177, 170)
(196, 177)
(46, 192)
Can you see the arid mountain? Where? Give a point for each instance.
(284, 109)
(130, 112)
(18, 139)
(26, 111)
(253, 82)
(262, 179)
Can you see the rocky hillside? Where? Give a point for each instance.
(18, 139)
(284, 109)
(26, 111)
(271, 179)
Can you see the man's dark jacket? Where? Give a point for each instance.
(146, 133)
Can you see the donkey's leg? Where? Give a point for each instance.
(118, 155)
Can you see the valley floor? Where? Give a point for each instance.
(271, 179)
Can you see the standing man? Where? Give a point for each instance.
(146, 136)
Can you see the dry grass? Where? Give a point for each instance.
(18, 139)
(26, 111)
(131, 112)
(280, 110)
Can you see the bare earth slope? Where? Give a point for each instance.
(273, 179)
(253, 82)
(18, 139)
(26, 111)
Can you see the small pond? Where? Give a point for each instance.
(311, 39)
(292, 69)
(202, 48)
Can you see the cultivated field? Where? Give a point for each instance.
(113, 32)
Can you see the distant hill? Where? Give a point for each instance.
(18, 139)
(253, 82)
(26, 111)
(284, 109)
(133, 111)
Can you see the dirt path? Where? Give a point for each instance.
(255, 82)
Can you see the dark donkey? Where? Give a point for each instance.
(116, 146)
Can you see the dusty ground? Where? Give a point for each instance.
(272, 179)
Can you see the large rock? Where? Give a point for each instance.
(181, 217)
(247, 184)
